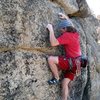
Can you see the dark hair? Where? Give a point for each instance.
(71, 29)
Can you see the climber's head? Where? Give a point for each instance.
(66, 26)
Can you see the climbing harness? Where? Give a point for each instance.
(80, 61)
(78, 66)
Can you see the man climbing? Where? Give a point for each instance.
(70, 40)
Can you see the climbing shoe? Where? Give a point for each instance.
(53, 81)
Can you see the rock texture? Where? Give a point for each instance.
(70, 6)
(24, 47)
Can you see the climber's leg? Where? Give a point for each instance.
(65, 88)
(53, 61)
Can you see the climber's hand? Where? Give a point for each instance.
(50, 27)
(63, 16)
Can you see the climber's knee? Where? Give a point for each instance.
(53, 59)
(65, 82)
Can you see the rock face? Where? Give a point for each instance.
(69, 6)
(24, 47)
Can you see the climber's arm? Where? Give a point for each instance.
(62, 16)
(53, 40)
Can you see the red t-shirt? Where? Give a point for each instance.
(71, 43)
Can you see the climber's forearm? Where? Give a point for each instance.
(53, 40)
(66, 17)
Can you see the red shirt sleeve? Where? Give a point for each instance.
(63, 39)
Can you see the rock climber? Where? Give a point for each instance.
(70, 62)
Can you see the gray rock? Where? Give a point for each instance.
(70, 6)
(24, 48)
(84, 10)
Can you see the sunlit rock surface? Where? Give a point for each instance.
(24, 48)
